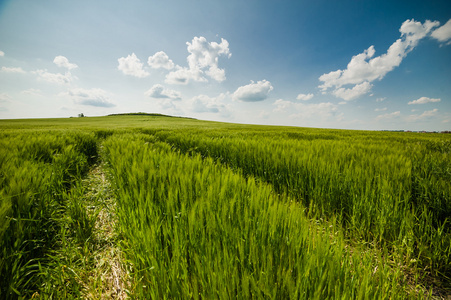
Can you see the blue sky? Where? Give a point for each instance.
(329, 64)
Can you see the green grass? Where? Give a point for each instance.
(37, 173)
(215, 210)
(390, 191)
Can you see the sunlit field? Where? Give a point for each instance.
(156, 207)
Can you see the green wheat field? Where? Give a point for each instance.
(144, 206)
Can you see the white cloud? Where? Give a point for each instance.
(131, 65)
(2, 53)
(63, 62)
(13, 70)
(414, 31)
(388, 116)
(203, 59)
(425, 115)
(298, 110)
(424, 100)
(91, 97)
(160, 60)
(381, 109)
(158, 91)
(364, 67)
(166, 98)
(282, 105)
(204, 103)
(58, 78)
(168, 104)
(381, 99)
(358, 71)
(216, 73)
(254, 91)
(184, 75)
(443, 33)
(204, 55)
(353, 93)
(304, 97)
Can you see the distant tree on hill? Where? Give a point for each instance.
(81, 115)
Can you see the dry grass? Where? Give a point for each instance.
(108, 279)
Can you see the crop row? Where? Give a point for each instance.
(193, 228)
(37, 170)
(393, 193)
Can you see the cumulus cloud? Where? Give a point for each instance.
(304, 97)
(364, 67)
(91, 97)
(353, 93)
(253, 92)
(282, 105)
(381, 99)
(381, 109)
(388, 116)
(57, 78)
(131, 65)
(204, 55)
(184, 75)
(2, 53)
(160, 60)
(203, 103)
(63, 62)
(202, 60)
(166, 98)
(13, 70)
(206, 104)
(424, 116)
(443, 33)
(168, 104)
(158, 91)
(298, 110)
(424, 100)
(414, 31)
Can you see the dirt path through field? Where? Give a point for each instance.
(109, 277)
